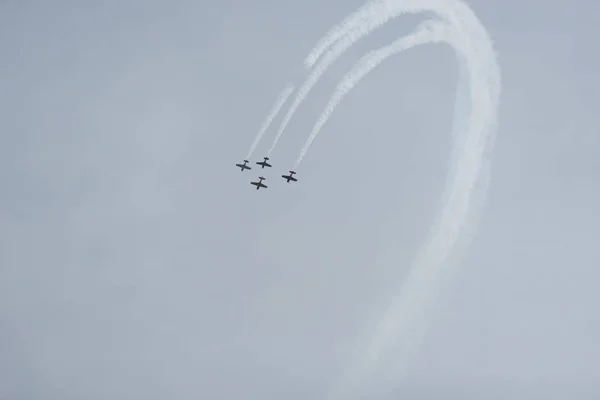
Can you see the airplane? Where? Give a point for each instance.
(243, 166)
(290, 177)
(259, 184)
(264, 163)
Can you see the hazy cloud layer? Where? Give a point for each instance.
(137, 262)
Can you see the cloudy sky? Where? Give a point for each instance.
(137, 262)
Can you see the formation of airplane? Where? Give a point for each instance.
(259, 184)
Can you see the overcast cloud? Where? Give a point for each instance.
(137, 262)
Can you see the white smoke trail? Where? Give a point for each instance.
(360, 17)
(343, 36)
(377, 10)
(430, 31)
(279, 102)
(406, 318)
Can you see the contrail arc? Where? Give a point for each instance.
(405, 320)
(380, 10)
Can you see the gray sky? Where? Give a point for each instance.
(137, 262)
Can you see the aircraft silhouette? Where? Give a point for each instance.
(243, 166)
(259, 184)
(264, 163)
(290, 177)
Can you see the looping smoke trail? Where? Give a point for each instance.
(474, 135)
(281, 99)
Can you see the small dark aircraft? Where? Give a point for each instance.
(264, 163)
(259, 184)
(290, 177)
(243, 166)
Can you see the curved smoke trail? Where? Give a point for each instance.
(279, 102)
(474, 135)
(359, 17)
(358, 24)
